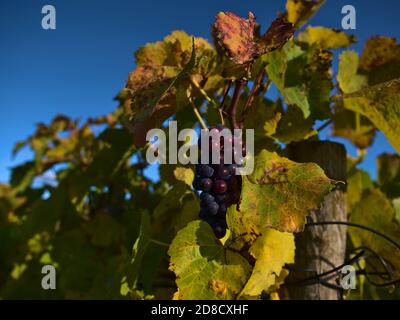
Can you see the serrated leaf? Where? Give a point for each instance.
(389, 174)
(204, 269)
(272, 250)
(326, 38)
(300, 11)
(236, 36)
(381, 105)
(279, 194)
(152, 98)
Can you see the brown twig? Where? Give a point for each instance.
(254, 91)
(235, 102)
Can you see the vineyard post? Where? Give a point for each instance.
(320, 248)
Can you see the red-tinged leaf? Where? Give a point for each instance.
(276, 36)
(236, 36)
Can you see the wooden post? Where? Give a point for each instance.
(321, 248)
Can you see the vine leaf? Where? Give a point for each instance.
(184, 174)
(389, 174)
(279, 32)
(138, 251)
(300, 11)
(236, 36)
(377, 212)
(278, 194)
(352, 126)
(272, 250)
(358, 183)
(326, 38)
(302, 76)
(380, 59)
(381, 105)
(348, 124)
(396, 205)
(177, 207)
(205, 269)
(348, 78)
(153, 101)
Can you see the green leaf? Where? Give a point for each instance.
(204, 268)
(389, 174)
(178, 207)
(138, 251)
(381, 105)
(279, 194)
(381, 60)
(302, 76)
(353, 126)
(300, 11)
(396, 205)
(376, 211)
(357, 184)
(348, 78)
(326, 38)
(153, 100)
(272, 250)
(293, 127)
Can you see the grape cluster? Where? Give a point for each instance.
(218, 185)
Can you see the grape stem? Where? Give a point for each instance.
(235, 102)
(197, 114)
(254, 91)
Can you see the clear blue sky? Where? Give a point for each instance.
(78, 68)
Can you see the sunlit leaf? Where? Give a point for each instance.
(272, 250)
(300, 11)
(205, 269)
(326, 38)
(278, 194)
(381, 105)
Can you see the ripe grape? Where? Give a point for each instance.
(220, 187)
(206, 184)
(218, 184)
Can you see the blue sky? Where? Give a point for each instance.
(78, 68)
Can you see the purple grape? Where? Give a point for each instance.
(222, 210)
(220, 198)
(223, 172)
(212, 208)
(206, 171)
(207, 197)
(206, 184)
(220, 187)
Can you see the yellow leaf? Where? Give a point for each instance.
(272, 251)
(326, 38)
